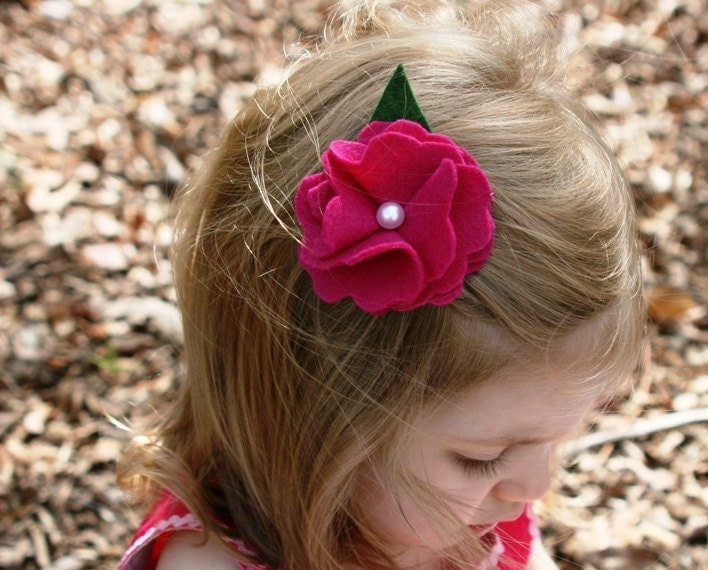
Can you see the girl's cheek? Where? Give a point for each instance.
(466, 491)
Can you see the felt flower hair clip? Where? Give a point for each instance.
(396, 219)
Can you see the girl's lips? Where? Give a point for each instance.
(481, 529)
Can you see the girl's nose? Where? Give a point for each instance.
(529, 481)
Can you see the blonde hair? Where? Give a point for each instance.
(285, 395)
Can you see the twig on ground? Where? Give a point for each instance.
(639, 428)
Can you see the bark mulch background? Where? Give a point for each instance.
(106, 104)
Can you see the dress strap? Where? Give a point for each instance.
(515, 540)
(167, 517)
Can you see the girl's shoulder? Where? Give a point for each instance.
(187, 550)
(171, 536)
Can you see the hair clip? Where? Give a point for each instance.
(397, 218)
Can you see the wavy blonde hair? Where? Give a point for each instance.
(285, 396)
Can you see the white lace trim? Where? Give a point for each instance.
(174, 522)
(132, 559)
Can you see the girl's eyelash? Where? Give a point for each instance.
(487, 468)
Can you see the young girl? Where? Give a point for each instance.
(405, 275)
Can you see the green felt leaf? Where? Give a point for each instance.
(398, 101)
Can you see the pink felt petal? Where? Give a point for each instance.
(393, 278)
(384, 160)
(441, 299)
(349, 152)
(470, 209)
(397, 159)
(348, 219)
(450, 283)
(338, 170)
(402, 126)
(476, 260)
(428, 228)
(413, 129)
(308, 206)
(395, 166)
(326, 285)
(382, 271)
(374, 245)
(416, 131)
(373, 129)
(332, 211)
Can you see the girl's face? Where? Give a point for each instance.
(490, 451)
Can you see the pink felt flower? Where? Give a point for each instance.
(396, 220)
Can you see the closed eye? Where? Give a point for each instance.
(487, 468)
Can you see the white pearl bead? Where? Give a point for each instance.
(390, 215)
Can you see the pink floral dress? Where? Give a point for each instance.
(510, 542)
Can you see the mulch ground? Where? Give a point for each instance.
(105, 105)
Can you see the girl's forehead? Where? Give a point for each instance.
(532, 403)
